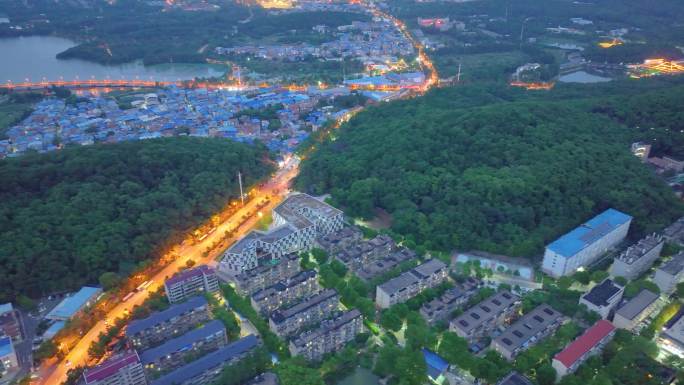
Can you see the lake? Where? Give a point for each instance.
(34, 58)
(582, 77)
(360, 376)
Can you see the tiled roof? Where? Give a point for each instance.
(110, 367)
(162, 316)
(579, 347)
(588, 233)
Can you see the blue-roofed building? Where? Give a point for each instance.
(71, 305)
(53, 330)
(8, 357)
(585, 244)
(172, 354)
(436, 366)
(172, 322)
(205, 369)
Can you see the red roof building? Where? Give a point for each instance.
(122, 369)
(589, 343)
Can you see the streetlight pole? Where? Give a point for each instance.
(522, 30)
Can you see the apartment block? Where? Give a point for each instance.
(670, 273)
(207, 368)
(190, 283)
(409, 284)
(603, 297)
(285, 322)
(275, 270)
(526, 332)
(283, 293)
(480, 320)
(637, 258)
(584, 245)
(671, 339)
(361, 254)
(589, 343)
(172, 322)
(337, 241)
(332, 335)
(121, 369)
(8, 356)
(385, 264)
(173, 353)
(441, 308)
(636, 310)
(9, 322)
(674, 233)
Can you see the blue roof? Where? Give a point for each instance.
(71, 305)
(177, 344)
(436, 365)
(54, 329)
(162, 316)
(5, 346)
(588, 233)
(209, 361)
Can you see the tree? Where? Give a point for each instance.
(680, 290)
(546, 375)
(390, 320)
(599, 276)
(109, 280)
(319, 255)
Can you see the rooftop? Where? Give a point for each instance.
(588, 233)
(412, 276)
(674, 265)
(485, 310)
(191, 273)
(327, 326)
(110, 367)
(436, 365)
(162, 316)
(600, 294)
(637, 304)
(6, 346)
(514, 378)
(522, 331)
(295, 280)
(209, 361)
(281, 315)
(641, 248)
(72, 304)
(301, 209)
(184, 341)
(579, 347)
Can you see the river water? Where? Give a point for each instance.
(34, 58)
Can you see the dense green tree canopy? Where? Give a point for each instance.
(67, 217)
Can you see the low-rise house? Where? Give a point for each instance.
(526, 332)
(631, 314)
(275, 270)
(121, 369)
(480, 320)
(285, 322)
(603, 298)
(207, 368)
(332, 335)
(670, 273)
(363, 253)
(385, 264)
(304, 284)
(73, 304)
(409, 284)
(192, 282)
(514, 378)
(169, 323)
(441, 307)
(173, 353)
(637, 258)
(589, 343)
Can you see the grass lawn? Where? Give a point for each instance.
(485, 66)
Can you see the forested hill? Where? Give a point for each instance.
(68, 216)
(493, 169)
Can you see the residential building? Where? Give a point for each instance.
(206, 369)
(480, 320)
(73, 304)
(409, 284)
(436, 366)
(503, 264)
(8, 356)
(285, 322)
(340, 240)
(603, 297)
(191, 282)
(589, 343)
(637, 309)
(385, 264)
(670, 273)
(526, 332)
(121, 369)
(363, 253)
(173, 353)
(172, 322)
(441, 307)
(297, 221)
(283, 293)
(675, 232)
(267, 378)
(332, 335)
(275, 270)
(637, 258)
(9, 322)
(671, 339)
(514, 378)
(587, 243)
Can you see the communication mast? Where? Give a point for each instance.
(242, 195)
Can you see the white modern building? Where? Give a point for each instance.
(585, 244)
(637, 258)
(603, 297)
(669, 274)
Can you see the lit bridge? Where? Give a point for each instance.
(87, 83)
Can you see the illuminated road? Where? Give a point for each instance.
(276, 189)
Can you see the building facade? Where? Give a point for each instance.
(408, 285)
(9, 322)
(603, 297)
(172, 322)
(361, 254)
(121, 369)
(637, 258)
(636, 310)
(8, 356)
(670, 273)
(480, 320)
(285, 322)
(671, 339)
(283, 293)
(331, 336)
(73, 304)
(589, 343)
(275, 270)
(584, 245)
(337, 241)
(526, 332)
(190, 283)
(441, 308)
